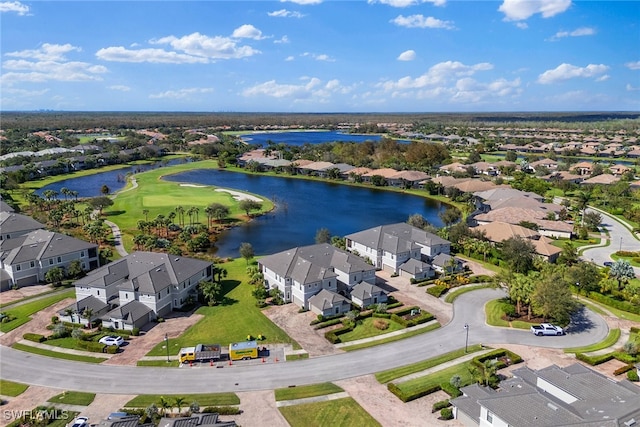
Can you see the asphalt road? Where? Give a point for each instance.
(621, 239)
(588, 328)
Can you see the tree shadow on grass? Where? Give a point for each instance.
(228, 286)
(113, 213)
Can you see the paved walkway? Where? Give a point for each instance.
(65, 350)
(325, 398)
(384, 336)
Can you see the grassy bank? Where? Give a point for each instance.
(22, 313)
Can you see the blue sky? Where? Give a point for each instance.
(320, 56)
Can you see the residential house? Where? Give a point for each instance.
(132, 315)
(161, 282)
(79, 311)
(13, 224)
(390, 246)
(302, 272)
(365, 294)
(408, 179)
(498, 232)
(445, 263)
(27, 258)
(5, 207)
(327, 303)
(546, 249)
(604, 179)
(619, 170)
(195, 420)
(485, 168)
(553, 396)
(356, 173)
(583, 168)
(385, 173)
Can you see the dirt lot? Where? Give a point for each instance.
(27, 291)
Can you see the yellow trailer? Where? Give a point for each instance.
(243, 350)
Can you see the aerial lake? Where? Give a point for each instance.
(308, 137)
(302, 207)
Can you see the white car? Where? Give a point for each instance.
(111, 340)
(81, 422)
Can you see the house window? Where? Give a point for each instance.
(50, 261)
(59, 260)
(18, 267)
(32, 264)
(98, 291)
(489, 417)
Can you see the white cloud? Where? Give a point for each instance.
(24, 93)
(438, 74)
(579, 32)
(154, 56)
(312, 88)
(303, 2)
(248, 31)
(631, 88)
(121, 88)
(14, 6)
(284, 13)
(289, 58)
(470, 90)
(46, 52)
(568, 71)
(216, 47)
(282, 40)
(603, 78)
(420, 21)
(519, 10)
(407, 3)
(522, 25)
(180, 94)
(635, 65)
(407, 55)
(48, 63)
(318, 56)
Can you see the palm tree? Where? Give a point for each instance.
(180, 211)
(88, 314)
(164, 405)
(179, 401)
(65, 192)
(145, 212)
(583, 200)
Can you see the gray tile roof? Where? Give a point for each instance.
(145, 272)
(5, 207)
(201, 420)
(326, 299)
(90, 302)
(396, 238)
(364, 290)
(414, 266)
(312, 263)
(129, 313)
(13, 223)
(41, 244)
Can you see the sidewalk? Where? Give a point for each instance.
(441, 366)
(314, 399)
(384, 336)
(65, 350)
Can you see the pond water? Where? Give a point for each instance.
(303, 207)
(301, 138)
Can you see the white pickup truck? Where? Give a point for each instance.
(546, 329)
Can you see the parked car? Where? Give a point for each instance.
(546, 329)
(608, 264)
(111, 340)
(80, 422)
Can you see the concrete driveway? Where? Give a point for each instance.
(37, 370)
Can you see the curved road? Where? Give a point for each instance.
(587, 328)
(621, 238)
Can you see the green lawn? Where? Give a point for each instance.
(231, 321)
(365, 329)
(335, 413)
(437, 378)
(390, 375)
(158, 363)
(73, 398)
(618, 313)
(4, 304)
(301, 356)
(58, 355)
(611, 339)
(301, 392)
(394, 338)
(9, 388)
(451, 296)
(23, 312)
(494, 311)
(160, 197)
(208, 399)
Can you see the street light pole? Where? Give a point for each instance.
(166, 343)
(466, 341)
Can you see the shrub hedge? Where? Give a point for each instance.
(440, 405)
(424, 317)
(594, 360)
(327, 323)
(222, 410)
(633, 375)
(382, 315)
(437, 290)
(333, 336)
(620, 305)
(94, 346)
(34, 337)
(446, 413)
(624, 369)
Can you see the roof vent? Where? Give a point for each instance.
(552, 406)
(630, 423)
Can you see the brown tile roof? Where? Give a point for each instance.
(544, 247)
(602, 179)
(500, 231)
(386, 172)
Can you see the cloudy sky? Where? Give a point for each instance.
(320, 55)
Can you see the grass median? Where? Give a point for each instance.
(340, 413)
(73, 398)
(204, 399)
(611, 339)
(10, 388)
(58, 355)
(303, 392)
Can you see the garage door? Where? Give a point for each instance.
(26, 281)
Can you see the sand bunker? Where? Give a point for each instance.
(240, 196)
